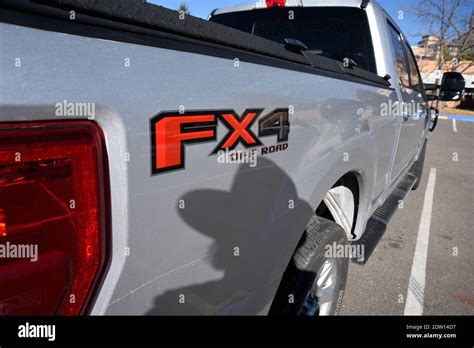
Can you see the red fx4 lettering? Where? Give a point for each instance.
(172, 131)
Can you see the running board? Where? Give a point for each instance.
(377, 224)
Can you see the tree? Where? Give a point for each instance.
(450, 21)
(183, 8)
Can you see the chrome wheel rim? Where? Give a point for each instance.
(322, 295)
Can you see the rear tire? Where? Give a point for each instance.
(304, 289)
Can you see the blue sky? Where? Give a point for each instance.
(409, 24)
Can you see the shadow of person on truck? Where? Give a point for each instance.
(255, 226)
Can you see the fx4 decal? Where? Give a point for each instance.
(171, 131)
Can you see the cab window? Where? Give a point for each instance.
(333, 32)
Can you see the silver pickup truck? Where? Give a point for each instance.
(156, 163)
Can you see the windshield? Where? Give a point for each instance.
(336, 33)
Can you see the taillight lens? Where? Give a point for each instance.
(53, 216)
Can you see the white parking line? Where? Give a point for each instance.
(455, 129)
(416, 285)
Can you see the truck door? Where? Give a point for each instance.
(412, 109)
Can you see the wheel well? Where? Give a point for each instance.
(349, 181)
(341, 203)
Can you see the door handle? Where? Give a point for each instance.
(416, 116)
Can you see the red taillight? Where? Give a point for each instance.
(275, 3)
(53, 192)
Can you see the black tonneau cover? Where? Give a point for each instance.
(138, 13)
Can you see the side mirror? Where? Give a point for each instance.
(452, 87)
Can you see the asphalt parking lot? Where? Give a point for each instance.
(427, 253)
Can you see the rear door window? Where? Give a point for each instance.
(415, 78)
(332, 32)
(400, 58)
